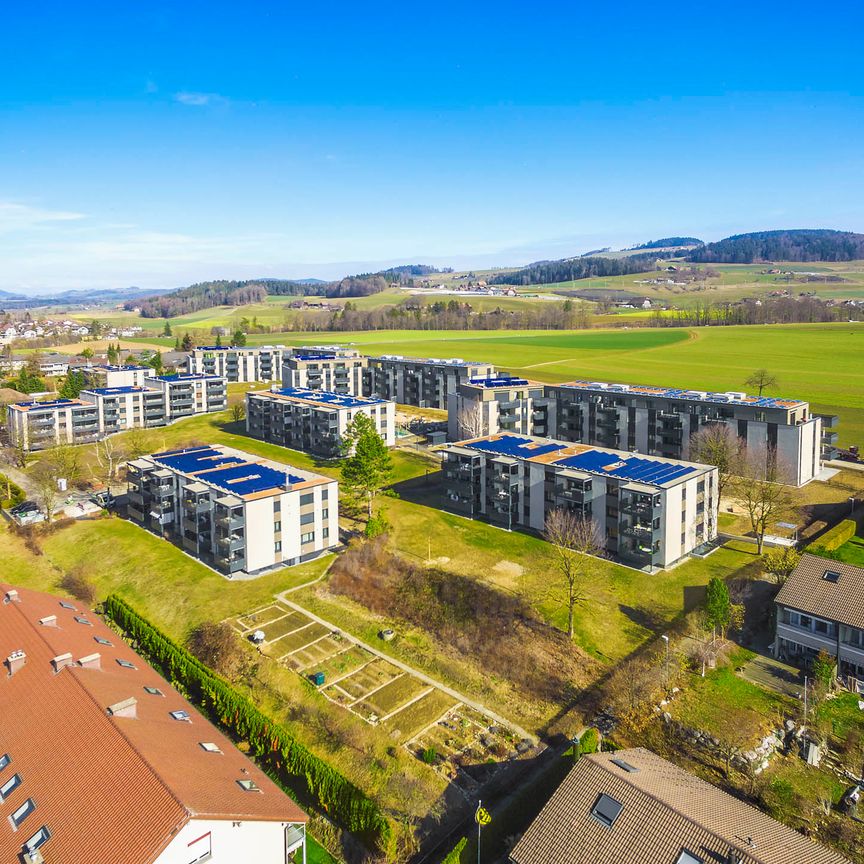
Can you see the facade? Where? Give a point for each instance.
(102, 760)
(659, 421)
(313, 420)
(186, 394)
(425, 383)
(633, 806)
(819, 608)
(234, 511)
(650, 512)
(330, 368)
(102, 411)
(503, 403)
(115, 376)
(261, 363)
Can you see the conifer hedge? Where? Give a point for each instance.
(287, 761)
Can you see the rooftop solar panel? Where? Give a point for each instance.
(514, 445)
(325, 397)
(499, 381)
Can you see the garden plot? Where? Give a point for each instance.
(255, 620)
(387, 700)
(299, 638)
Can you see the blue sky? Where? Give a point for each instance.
(155, 144)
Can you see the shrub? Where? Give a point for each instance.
(833, 539)
(74, 584)
(376, 526)
(10, 493)
(590, 741)
(455, 854)
(430, 755)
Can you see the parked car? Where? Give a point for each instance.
(24, 507)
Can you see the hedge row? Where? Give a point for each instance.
(832, 540)
(288, 762)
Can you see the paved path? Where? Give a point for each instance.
(459, 697)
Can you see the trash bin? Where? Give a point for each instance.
(317, 678)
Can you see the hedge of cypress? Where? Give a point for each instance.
(287, 761)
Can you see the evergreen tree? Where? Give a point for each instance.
(187, 344)
(156, 362)
(368, 465)
(238, 340)
(112, 353)
(218, 340)
(72, 385)
(167, 330)
(718, 607)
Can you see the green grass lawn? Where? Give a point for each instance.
(843, 714)
(852, 552)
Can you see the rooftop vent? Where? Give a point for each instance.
(61, 661)
(11, 596)
(91, 661)
(15, 661)
(126, 708)
(48, 621)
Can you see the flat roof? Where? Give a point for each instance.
(324, 398)
(51, 405)
(107, 367)
(632, 467)
(731, 397)
(433, 361)
(116, 391)
(187, 376)
(495, 381)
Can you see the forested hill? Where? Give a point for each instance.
(806, 244)
(546, 272)
(670, 242)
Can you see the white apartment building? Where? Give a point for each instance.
(425, 383)
(314, 420)
(501, 403)
(234, 511)
(258, 363)
(115, 376)
(650, 512)
(324, 367)
(125, 407)
(660, 421)
(102, 760)
(186, 394)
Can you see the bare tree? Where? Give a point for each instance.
(16, 455)
(238, 412)
(45, 478)
(470, 423)
(717, 444)
(780, 562)
(576, 541)
(64, 461)
(761, 490)
(109, 454)
(136, 443)
(761, 379)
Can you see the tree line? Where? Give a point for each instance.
(819, 244)
(568, 269)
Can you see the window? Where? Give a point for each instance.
(40, 838)
(325, 513)
(153, 691)
(10, 786)
(277, 546)
(210, 747)
(5, 759)
(66, 605)
(181, 715)
(81, 620)
(308, 498)
(277, 526)
(102, 641)
(126, 664)
(248, 785)
(308, 538)
(277, 506)
(325, 494)
(606, 810)
(831, 576)
(325, 533)
(688, 858)
(307, 518)
(806, 622)
(19, 815)
(200, 848)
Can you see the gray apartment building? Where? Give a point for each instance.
(651, 512)
(659, 421)
(324, 367)
(186, 394)
(258, 363)
(314, 420)
(234, 511)
(821, 608)
(499, 403)
(424, 383)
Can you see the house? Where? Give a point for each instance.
(324, 367)
(102, 760)
(234, 511)
(314, 421)
(649, 512)
(661, 420)
(821, 608)
(634, 807)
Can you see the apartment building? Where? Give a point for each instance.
(234, 511)
(501, 403)
(102, 760)
(659, 421)
(651, 512)
(819, 608)
(186, 394)
(258, 363)
(314, 420)
(425, 383)
(634, 807)
(102, 411)
(323, 367)
(115, 376)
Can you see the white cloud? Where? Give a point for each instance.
(196, 99)
(21, 217)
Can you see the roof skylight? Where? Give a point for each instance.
(606, 810)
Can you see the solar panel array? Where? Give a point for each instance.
(499, 381)
(516, 446)
(114, 391)
(636, 468)
(186, 376)
(313, 356)
(325, 397)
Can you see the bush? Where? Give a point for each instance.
(285, 760)
(10, 493)
(832, 540)
(74, 584)
(376, 526)
(590, 741)
(429, 755)
(455, 854)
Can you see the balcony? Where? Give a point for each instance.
(231, 543)
(640, 530)
(230, 522)
(637, 504)
(573, 493)
(136, 499)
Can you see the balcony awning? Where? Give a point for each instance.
(639, 487)
(229, 501)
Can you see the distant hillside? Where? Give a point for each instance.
(806, 244)
(567, 269)
(670, 242)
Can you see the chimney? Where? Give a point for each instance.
(126, 708)
(48, 621)
(11, 596)
(91, 661)
(16, 661)
(61, 661)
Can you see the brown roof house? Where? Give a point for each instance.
(821, 608)
(103, 762)
(633, 807)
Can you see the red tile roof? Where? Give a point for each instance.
(109, 788)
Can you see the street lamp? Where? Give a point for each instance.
(665, 638)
